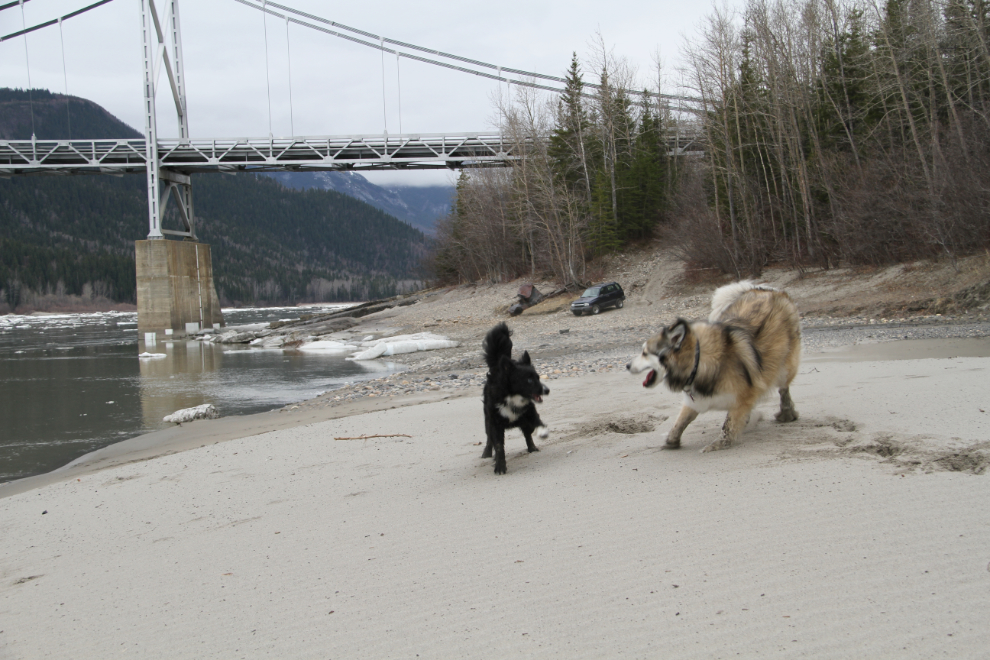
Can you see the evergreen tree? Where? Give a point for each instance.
(568, 143)
(644, 183)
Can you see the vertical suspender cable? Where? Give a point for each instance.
(65, 77)
(501, 111)
(27, 61)
(384, 113)
(288, 52)
(268, 81)
(398, 82)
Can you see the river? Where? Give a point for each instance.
(73, 383)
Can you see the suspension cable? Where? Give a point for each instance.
(398, 84)
(288, 52)
(65, 78)
(383, 40)
(46, 23)
(268, 78)
(389, 50)
(11, 5)
(27, 62)
(501, 111)
(384, 112)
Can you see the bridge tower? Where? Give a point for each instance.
(175, 290)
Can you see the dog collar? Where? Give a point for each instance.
(694, 372)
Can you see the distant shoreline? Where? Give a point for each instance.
(97, 308)
(68, 308)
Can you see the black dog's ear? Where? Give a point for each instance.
(525, 358)
(676, 334)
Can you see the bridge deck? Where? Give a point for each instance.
(349, 152)
(256, 154)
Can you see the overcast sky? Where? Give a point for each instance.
(336, 85)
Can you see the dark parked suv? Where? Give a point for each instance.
(597, 298)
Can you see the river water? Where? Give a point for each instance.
(73, 383)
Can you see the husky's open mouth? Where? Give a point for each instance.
(651, 378)
(538, 398)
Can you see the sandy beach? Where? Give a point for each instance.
(860, 530)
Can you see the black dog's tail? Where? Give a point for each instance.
(497, 343)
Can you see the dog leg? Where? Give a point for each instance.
(687, 416)
(734, 424)
(490, 433)
(530, 447)
(541, 431)
(498, 440)
(787, 411)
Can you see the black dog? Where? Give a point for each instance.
(510, 390)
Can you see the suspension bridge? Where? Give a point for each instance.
(172, 275)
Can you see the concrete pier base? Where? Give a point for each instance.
(175, 291)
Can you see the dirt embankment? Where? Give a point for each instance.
(658, 290)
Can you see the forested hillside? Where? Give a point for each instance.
(834, 132)
(56, 117)
(74, 236)
(842, 132)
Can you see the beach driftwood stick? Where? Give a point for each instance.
(387, 435)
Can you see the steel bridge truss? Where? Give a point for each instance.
(350, 152)
(177, 159)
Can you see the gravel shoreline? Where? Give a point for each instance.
(558, 355)
(840, 307)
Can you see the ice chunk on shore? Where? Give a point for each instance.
(375, 351)
(236, 337)
(422, 341)
(205, 411)
(328, 346)
(271, 341)
(153, 356)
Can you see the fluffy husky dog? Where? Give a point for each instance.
(511, 388)
(750, 344)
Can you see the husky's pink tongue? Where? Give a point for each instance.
(650, 377)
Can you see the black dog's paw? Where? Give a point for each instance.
(532, 449)
(487, 453)
(500, 467)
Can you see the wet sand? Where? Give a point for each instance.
(857, 531)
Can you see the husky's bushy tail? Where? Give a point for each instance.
(496, 344)
(728, 294)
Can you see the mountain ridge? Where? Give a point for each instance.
(65, 236)
(419, 206)
(48, 115)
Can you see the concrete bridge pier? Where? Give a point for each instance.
(175, 291)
